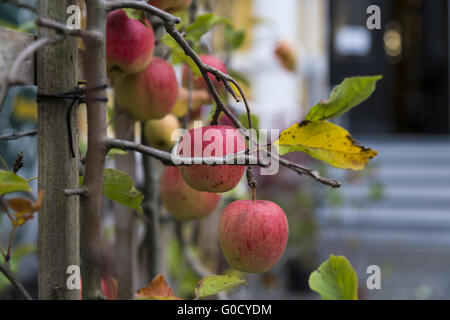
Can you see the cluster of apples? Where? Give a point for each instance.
(252, 234)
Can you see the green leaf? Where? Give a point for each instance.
(135, 14)
(243, 118)
(335, 280)
(350, 93)
(10, 182)
(214, 284)
(178, 54)
(119, 187)
(235, 38)
(202, 24)
(116, 152)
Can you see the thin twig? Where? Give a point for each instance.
(14, 136)
(62, 28)
(141, 5)
(11, 239)
(301, 170)
(13, 280)
(3, 163)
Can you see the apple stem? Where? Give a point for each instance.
(251, 182)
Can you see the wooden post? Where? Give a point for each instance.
(58, 220)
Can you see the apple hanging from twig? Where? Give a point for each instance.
(253, 235)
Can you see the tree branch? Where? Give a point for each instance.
(13, 280)
(62, 28)
(241, 158)
(167, 158)
(141, 5)
(15, 136)
(91, 218)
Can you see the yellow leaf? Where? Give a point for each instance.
(24, 108)
(327, 142)
(24, 209)
(158, 289)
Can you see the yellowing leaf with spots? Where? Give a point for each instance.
(327, 142)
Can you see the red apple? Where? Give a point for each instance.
(224, 120)
(109, 287)
(183, 202)
(171, 5)
(129, 44)
(253, 236)
(150, 94)
(199, 82)
(206, 142)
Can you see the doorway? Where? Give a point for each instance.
(411, 51)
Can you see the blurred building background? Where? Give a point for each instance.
(395, 214)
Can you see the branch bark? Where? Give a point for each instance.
(13, 280)
(15, 136)
(91, 217)
(126, 242)
(62, 28)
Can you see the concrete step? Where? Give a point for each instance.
(407, 196)
(433, 175)
(387, 218)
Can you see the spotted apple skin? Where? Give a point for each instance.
(183, 202)
(129, 44)
(253, 236)
(216, 179)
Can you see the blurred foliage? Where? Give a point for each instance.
(20, 252)
(185, 278)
